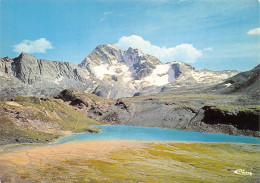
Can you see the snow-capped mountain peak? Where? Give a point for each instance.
(110, 60)
(132, 70)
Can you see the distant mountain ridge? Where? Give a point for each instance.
(108, 72)
(244, 82)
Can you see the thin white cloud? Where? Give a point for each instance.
(208, 49)
(183, 52)
(37, 46)
(105, 14)
(255, 31)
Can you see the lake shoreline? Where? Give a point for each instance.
(10, 147)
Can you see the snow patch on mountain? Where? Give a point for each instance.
(161, 75)
(101, 70)
(228, 84)
(58, 80)
(116, 71)
(204, 76)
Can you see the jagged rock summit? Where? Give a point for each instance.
(108, 72)
(132, 60)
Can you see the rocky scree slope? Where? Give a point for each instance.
(188, 111)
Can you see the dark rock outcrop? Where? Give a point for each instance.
(242, 120)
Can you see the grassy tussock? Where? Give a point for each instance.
(245, 108)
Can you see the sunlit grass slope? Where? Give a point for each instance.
(38, 120)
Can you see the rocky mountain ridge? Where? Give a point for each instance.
(244, 82)
(29, 70)
(108, 72)
(28, 76)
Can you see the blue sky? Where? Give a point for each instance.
(211, 34)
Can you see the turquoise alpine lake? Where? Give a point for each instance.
(122, 132)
